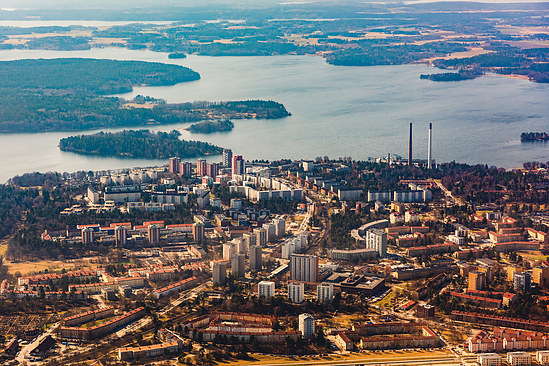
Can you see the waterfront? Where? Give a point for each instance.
(336, 111)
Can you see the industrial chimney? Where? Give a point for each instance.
(410, 147)
(429, 151)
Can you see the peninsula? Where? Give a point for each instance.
(140, 144)
(70, 95)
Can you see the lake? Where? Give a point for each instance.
(336, 111)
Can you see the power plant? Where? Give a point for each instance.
(429, 148)
(429, 157)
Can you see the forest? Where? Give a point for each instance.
(141, 144)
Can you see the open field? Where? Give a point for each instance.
(26, 268)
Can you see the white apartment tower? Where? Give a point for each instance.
(219, 272)
(325, 292)
(256, 258)
(296, 292)
(304, 268)
(377, 239)
(307, 325)
(265, 289)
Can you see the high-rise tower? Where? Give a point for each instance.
(410, 147)
(429, 151)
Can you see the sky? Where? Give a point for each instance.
(109, 4)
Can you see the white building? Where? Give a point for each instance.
(238, 262)
(261, 236)
(296, 292)
(293, 245)
(377, 239)
(229, 250)
(519, 358)
(256, 258)
(304, 268)
(219, 272)
(266, 289)
(307, 325)
(456, 239)
(271, 231)
(280, 225)
(542, 357)
(411, 217)
(489, 359)
(325, 292)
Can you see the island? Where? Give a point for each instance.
(211, 126)
(452, 76)
(176, 55)
(140, 144)
(534, 136)
(72, 94)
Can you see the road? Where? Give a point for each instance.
(185, 295)
(398, 360)
(447, 193)
(29, 347)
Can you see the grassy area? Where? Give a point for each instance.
(386, 301)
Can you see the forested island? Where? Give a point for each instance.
(69, 95)
(141, 144)
(211, 126)
(176, 55)
(452, 76)
(534, 136)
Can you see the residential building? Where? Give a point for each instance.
(261, 236)
(256, 258)
(296, 292)
(304, 268)
(542, 357)
(227, 158)
(173, 165)
(377, 239)
(238, 165)
(477, 280)
(489, 359)
(198, 231)
(237, 265)
(307, 325)
(540, 275)
(265, 289)
(519, 359)
(522, 281)
(153, 234)
(219, 272)
(325, 292)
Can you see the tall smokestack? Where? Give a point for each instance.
(429, 157)
(410, 147)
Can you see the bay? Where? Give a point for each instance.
(336, 111)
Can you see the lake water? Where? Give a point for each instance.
(336, 111)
